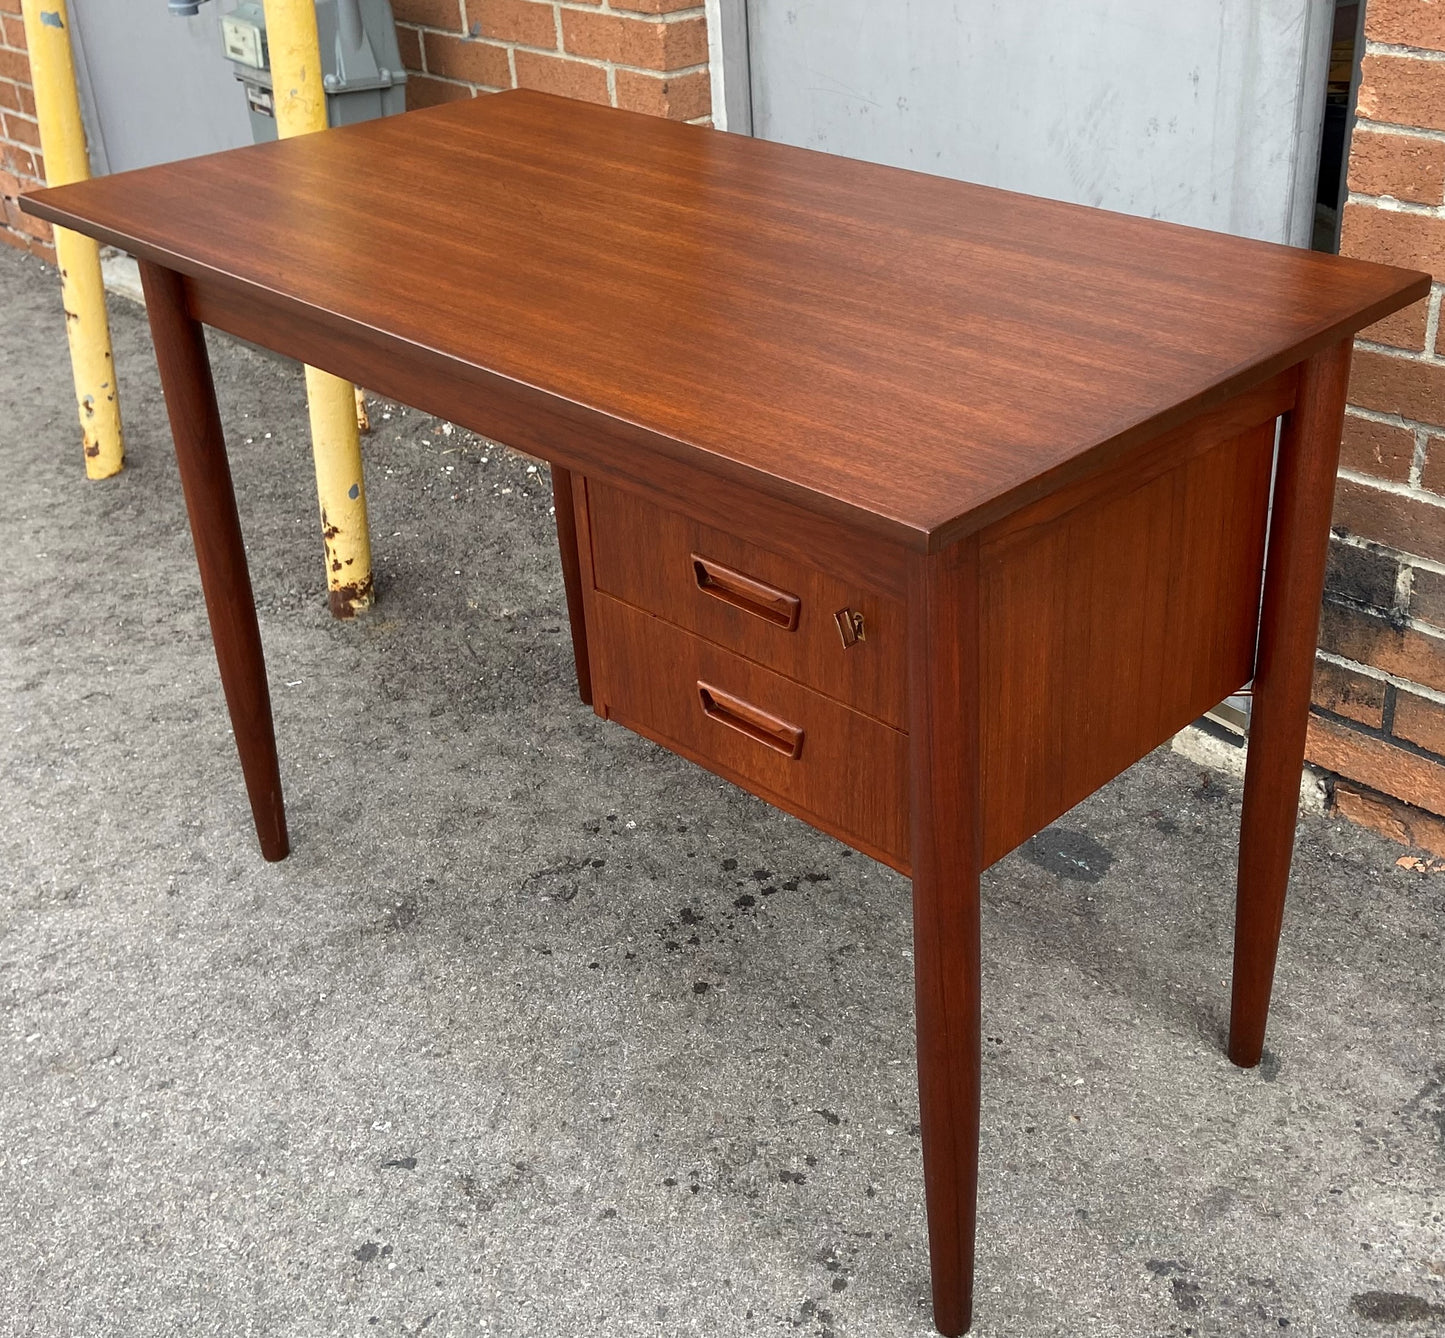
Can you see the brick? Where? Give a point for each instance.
(1407, 167)
(1432, 475)
(1391, 384)
(1394, 237)
(460, 58)
(13, 28)
(1405, 652)
(567, 78)
(657, 6)
(514, 21)
(680, 97)
(17, 97)
(408, 41)
(21, 130)
(41, 250)
(1362, 576)
(28, 166)
(1402, 329)
(1381, 449)
(9, 6)
(443, 14)
(1406, 524)
(1427, 597)
(422, 91)
(1418, 23)
(650, 44)
(21, 222)
(14, 65)
(1377, 763)
(1343, 692)
(1419, 721)
(1400, 90)
(1390, 818)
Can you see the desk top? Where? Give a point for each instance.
(909, 352)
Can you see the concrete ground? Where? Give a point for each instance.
(542, 1031)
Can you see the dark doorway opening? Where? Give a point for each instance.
(1343, 83)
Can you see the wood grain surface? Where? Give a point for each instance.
(945, 628)
(849, 776)
(205, 472)
(1299, 541)
(913, 355)
(646, 555)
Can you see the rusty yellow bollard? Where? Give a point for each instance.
(62, 141)
(295, 52)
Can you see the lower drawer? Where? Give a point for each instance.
(835, 768)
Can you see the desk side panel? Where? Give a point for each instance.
(1110, 626)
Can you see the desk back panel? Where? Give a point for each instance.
(1109, 628)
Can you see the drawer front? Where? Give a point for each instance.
(835, 768)
(843, 639)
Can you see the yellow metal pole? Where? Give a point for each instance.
(300, 103)
(62, 141)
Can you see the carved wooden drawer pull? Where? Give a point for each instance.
(748, 719)
(732, 587)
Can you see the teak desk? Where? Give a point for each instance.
(920, 510)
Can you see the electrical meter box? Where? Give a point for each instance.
(361, 66)
(243, 36)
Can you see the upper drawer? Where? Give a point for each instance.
(838, 637)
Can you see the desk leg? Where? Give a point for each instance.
(944, 749)
(565, 510)
(216, 530)
(1294, 580)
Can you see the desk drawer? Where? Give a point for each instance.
(835, 768)
(793, 618)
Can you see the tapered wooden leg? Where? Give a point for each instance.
(943, 725)
(220, 553)
(563, 507)
(1294, 582)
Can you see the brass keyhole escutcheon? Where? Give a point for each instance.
(850, 626)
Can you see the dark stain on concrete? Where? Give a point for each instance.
(400, 914)
(1395, 1308)
(1429, 1104)
(1066, 853)
(1186, 1294)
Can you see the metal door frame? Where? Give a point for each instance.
(729, 65)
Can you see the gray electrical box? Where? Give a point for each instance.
(360, 61)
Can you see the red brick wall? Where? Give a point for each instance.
(21, 167)
(646, 55)
(1379, 721)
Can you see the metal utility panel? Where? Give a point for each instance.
(1201, 113)
(154, 87)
